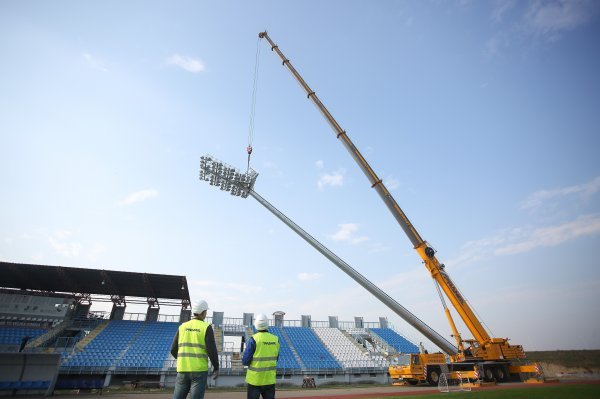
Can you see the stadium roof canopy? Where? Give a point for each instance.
(82, 281)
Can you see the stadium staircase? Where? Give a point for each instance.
(344, 348)
(218, 332)
(50, 335)
(288, 356)
(355, 342)
(391, 339)
(80, 346)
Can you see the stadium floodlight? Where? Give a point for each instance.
(226, 177)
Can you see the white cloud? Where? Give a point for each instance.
(189, 64)
(138, 196)
(59, 241)
(527, 238)
(550, 18)
(334, 179)
(308, 276)
(501, 7)
(582, 191)
(319, 164)
(346, 234)
(94, 62)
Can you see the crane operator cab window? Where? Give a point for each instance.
(401, 360)
(415, 360)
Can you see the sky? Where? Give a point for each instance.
(481, 117)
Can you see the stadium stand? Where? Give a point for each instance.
(10, 335)
(93, 350)
(127, 344)
(310, 348)
(347, 351)
(287, 359)
(395, 340)
(150, 348)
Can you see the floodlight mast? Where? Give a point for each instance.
(400, 310)
(226, 177)
(241, 184)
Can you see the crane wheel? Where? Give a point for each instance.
(433, 377)
(501, 374)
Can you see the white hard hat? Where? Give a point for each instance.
(261, 322)
(199, 306)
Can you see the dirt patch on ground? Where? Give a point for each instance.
(552, 370)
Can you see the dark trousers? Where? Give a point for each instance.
(267, 391)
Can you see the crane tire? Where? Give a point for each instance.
(433, 376)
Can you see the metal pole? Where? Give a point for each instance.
(400, 310)
(375, 181)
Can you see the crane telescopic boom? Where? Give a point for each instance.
(486, 348)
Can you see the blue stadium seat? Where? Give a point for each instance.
(395, 340)
(311, 350)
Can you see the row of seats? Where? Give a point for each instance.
(344, 350)
(126, 344)
(395, 340)
(287, 360)
(13, 335)
(310, 349)
(152, 346)
(37, 384)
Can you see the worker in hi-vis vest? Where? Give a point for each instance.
(261, 355)
(193, 345)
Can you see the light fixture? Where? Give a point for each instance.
(226, 177)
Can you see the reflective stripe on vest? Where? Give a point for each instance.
(191, 352)
(263, 367)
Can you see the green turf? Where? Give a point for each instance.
(558, 392)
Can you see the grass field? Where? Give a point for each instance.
(591, 391)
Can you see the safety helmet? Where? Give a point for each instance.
(199, 306)
(261, 322)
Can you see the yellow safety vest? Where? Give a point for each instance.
(262, 368)
(191, 353)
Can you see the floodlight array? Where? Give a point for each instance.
(226, 177)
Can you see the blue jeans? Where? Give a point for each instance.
(194, 380)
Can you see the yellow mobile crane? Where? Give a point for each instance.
(481, 357)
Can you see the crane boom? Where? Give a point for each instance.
(487, 348)
(400, 310)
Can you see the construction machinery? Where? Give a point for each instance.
(482, 357)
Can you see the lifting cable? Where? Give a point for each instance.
(253, 106)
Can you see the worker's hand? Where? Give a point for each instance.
(215, 374)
